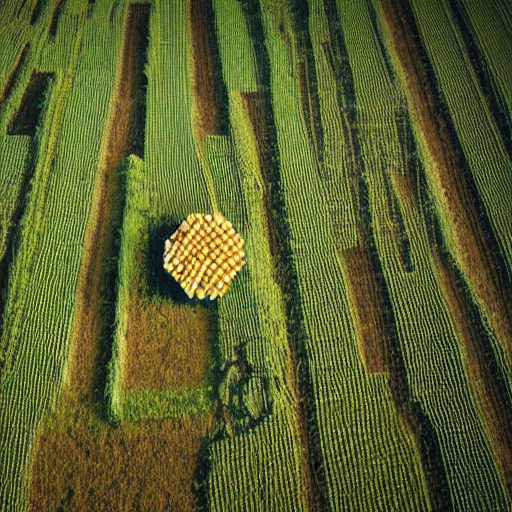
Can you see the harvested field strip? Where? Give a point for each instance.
(138, 458)
(210, 92)
(451, 186)
(368, 307)
(175, 352)
(492, 94)
(488, 384)
(97, 297)
(13, 77)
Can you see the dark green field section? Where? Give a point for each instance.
(362, 358)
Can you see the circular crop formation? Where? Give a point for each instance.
(204, 255)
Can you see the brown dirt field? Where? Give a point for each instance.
(478, 357)
(208, 86)
(367, 306)
(468, 242)
(168, 346)
(86, 465)
(403, 185)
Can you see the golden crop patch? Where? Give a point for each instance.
(204, 255)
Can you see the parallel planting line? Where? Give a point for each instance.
(487, 381)
(495, 101)
(124, 135)
(367, 287)
(315, 491)
(14, 75)
(28, 120)
(464, 222)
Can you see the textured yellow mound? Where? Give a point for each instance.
(204, 255)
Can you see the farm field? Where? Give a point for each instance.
(361, 359)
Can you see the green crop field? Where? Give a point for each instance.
(362, 358)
